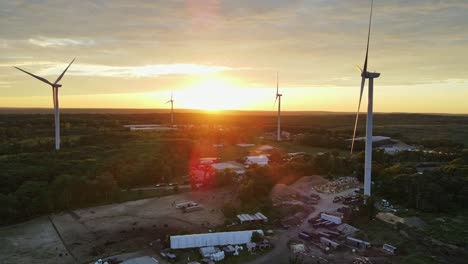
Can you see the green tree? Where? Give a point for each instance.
(256, 237)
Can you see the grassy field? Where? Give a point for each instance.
(414, 133)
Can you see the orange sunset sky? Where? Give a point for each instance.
(225, 54)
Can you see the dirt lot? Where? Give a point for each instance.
(92, 233)
(292, 195)
(107, 230)
(34, 241)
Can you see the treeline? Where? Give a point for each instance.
(327, 139)
(94, 171)
(443, 189)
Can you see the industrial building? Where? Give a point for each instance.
(212, 239)
(230, 165)
(260, 160)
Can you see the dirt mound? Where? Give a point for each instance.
(293, 205)
(282, 194)
(305, 184)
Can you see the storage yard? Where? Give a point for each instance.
(312, 225)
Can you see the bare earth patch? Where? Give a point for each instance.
(107, 230)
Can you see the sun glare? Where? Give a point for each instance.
(213, 93)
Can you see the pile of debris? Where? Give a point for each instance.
(285, 195)
(339, 185)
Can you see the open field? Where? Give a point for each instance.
(107, 230)
(34, 241)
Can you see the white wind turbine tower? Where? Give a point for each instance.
(278, 98)
(55, 87)
(371, 76)
(172, 109)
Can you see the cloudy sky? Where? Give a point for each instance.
(217, 54)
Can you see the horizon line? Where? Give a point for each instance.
(186, 110)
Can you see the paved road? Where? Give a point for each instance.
(280, 252)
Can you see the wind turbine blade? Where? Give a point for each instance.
(277, 84)
(359, 69)
(63, 73)
(171, 95)
(168, 102)
(363, 82)
(368, 38)
(35, 76)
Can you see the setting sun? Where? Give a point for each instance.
(213, 93)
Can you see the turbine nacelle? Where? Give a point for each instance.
(369, 75)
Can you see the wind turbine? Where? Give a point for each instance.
(371, 76)
(278, 98)
(55, 87)
(172, 109)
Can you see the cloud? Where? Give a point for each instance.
(5, 84)
(59, 42)
(135, 71)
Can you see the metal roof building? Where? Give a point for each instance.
(260, 160)
(250, 218)
(212, 239)
(374, 138)
(234, 166)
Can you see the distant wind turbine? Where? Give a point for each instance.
(55, 87)
(278, 98)
(172, 109)
(371, 76)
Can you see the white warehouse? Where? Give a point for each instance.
(261, 160)
(212, 239)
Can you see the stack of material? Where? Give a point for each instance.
(346, 229)
(258, 217)
(357, 243)
(331, 218)
(339, 185)
(328, 242)
(389, 248)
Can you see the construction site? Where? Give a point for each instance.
(182, 227)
